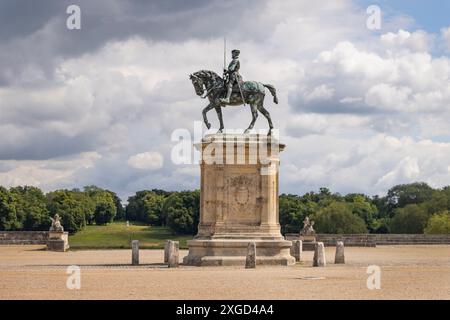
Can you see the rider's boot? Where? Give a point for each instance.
(227, 99)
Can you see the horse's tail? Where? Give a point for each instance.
(273, 91)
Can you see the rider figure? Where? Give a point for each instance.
(233, 75)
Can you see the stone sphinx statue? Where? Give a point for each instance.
(56, 224)
(308, 229)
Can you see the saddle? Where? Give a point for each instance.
(236, 87)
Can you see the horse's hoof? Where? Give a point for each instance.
(219, 131)
(269, 134)
(246, 131)
(208, 125)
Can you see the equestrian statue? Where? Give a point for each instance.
(231, 90)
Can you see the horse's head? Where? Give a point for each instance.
(198, 84)
(204, 80)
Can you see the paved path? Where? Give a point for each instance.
(408, 272)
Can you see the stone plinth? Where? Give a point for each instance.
(135, 252)
(339, 257)
(297, 250)
(319, 259)
(58, 241)
(166, 250)
(239, 202)
(309, 242)
(174, 254)
(250, 262)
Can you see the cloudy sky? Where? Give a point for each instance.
(360, 110)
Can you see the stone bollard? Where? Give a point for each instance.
(166, 251)
(319, 255)
(297, 250)
(174, 254)
(250, 261)
(135, 252)
(339, 258)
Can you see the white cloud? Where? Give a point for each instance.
(445, 32)
(146, 161)
(404, 40)
(47, 174)
(390, 98)
(350, 100)
(361, 164)
(406, 170)
(322, 92)
(403, 86)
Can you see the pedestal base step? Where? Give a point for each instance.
(225, 252)
(57, 245)
(309, 245)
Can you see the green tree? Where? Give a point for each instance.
(31, 208)
(338, 218)
(8, 217)
(152, 206)
(381, 226)
(293, 210)
(439, 202)
(409, 220)
(69, 206)
(362, 206)
(89, 199)
(147, 206)
(439, 223)
(104, 212)
(413, 193)
(120, 210)
(182, 210)
(99, 203)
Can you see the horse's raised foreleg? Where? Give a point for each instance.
(254, 117)
(205, 118)
(267, 115)
(219, 115)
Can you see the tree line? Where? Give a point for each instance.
(410, 208)
(28, 208)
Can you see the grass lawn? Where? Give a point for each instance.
(117, 235)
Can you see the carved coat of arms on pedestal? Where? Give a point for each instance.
(242, 198)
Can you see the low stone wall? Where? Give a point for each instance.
(23, 237)
(372, 240)
(55, 241)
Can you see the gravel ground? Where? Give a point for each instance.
(407, 272)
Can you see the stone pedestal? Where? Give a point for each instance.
(58, 241)
(309, 242)
(239, 202)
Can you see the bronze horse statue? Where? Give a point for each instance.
(253, 93)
